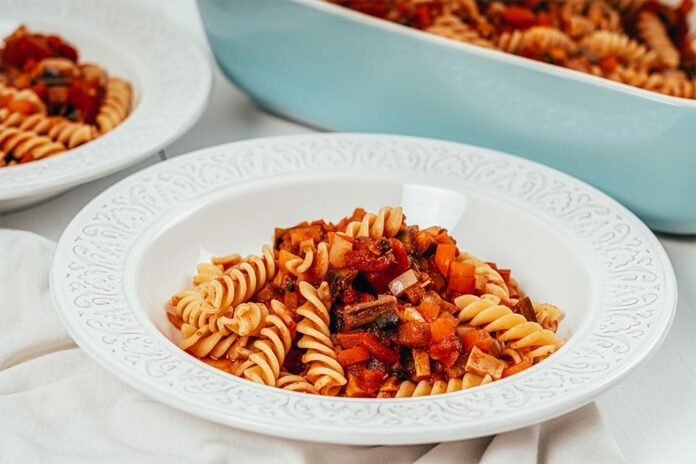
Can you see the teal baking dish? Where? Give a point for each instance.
(342, 70)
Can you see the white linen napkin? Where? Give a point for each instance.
(57, 405)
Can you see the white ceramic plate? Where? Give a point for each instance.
(136, 244)
(170, 73)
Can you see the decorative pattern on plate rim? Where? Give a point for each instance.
(174, 80)
(638, 297)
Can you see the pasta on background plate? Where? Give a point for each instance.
(642, 43)
(366, 307)
(49, 101)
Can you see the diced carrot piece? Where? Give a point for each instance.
(478, 338)
(413, 333)
(444, 238)
(462, 277)
(353, 355)
(444, 255)
(430, 311)
(442, 328)
(517, 368)
(283, 257)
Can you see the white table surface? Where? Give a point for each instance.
(652, 414)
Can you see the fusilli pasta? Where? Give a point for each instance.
(325, 372)
(387, 311)
(116, 105)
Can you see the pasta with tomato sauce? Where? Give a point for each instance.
(366, 307)
(643, 43)
(50, 102)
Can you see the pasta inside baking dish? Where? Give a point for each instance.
(51, 102)
(643, 43)
(366, 307)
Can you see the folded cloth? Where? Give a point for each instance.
(59, 406)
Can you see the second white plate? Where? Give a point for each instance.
(170, 73)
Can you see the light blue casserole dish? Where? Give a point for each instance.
(342, 70)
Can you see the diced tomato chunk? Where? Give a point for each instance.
(370, 342)
(447, 350)
(519, 17)
(371, 379)
(505, 274)
(608, 63)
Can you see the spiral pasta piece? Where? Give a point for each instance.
(115, 106)
(296, 383)
(409, 389)
(547, 315)
(191, 307)
(273, 344)
(603, 16)
(488, 280)
(674, 83)
(324, 371)
(539, 39)
(239, 283)
(386, 223)
(26, 145)
(203, 342)
(226, 336)
(654, 33)
(314, 265)
(207, 272)
(26, 99)
(194, 310)
(59, 129)
(603, 44)
(452, 27)
(487, 312)
(226, 261)
(72, 134)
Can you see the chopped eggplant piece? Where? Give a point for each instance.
(361, 314)
(414, 294)
(403, 282)
(340, 280)
(387, 321)
(425, 243)
(421, 361)
(480, 363)
(526, 308)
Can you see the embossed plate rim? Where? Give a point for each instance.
(351, 421)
